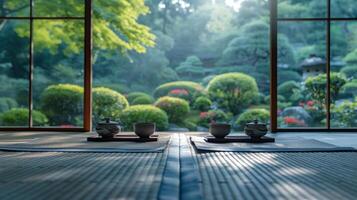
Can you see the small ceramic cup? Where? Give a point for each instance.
(220, 130)
(144, 130)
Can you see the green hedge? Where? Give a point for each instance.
(144, 113)
(202, 104)
(20, 117)
(213, 116)
(182, 89)
(108, 103)
(63, 104)
(175, 108)
(233, 91)
(252, 114)
(133, 95)
(7, 103)
(142, 100)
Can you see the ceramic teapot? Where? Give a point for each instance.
(107, 128)
(255, 129)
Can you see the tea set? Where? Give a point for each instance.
(108, 129)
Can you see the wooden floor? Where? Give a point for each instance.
(220, 175)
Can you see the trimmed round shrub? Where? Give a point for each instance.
(252, 114)
(108, 103)
(142, 100)
(144, 113)
(233, 91)
(213, 116)
(175, 108)
(182, 89)
(133, 95)
(350, 72)
(20, 117)
(350, 88)
(7, 103)
(63, 104)
(202, 104)
(286, 89)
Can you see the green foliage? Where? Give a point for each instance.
(249, 115)
(183, 89)
(144, 113)
(115, 26)
(7, 103)
(175, 108)
(142, 100)
(63, 104)
(288, 75)
(20, 117)
(107, 103)
(191, 67)
(233, 91)
(213, 116)
(316, 86)
(351, 58)
(350, 88)
(350, 72)
(289, 90)
(345, 114)
(202, 104)
(133, 95)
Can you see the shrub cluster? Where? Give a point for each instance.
(212, 116)
(144, 113)
(63, 104)
(7, 103)
(233, 91)
(175, 108)
(142, 100)
(202, 104)
(259, 114)
(108, 103)
(133, 95)
(183, 89)
(20, 117)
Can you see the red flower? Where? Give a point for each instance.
(310, 103)
(293, 121)
(179, 92)
(203, 115)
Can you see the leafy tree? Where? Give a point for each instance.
(316, 86)
(191, 67)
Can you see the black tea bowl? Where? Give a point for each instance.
(220, 130)
(144, 130)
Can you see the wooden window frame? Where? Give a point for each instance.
(87, 98)
(274, 19)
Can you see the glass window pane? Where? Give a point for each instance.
(344, 74)
(14, 73)
(301, 74)
(59, 8)
(58, 71)
(302, 8)
(14, 8)
(214, 55)
(343, 8)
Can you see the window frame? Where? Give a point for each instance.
(274, 19)
(87, 97)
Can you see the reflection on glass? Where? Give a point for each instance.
(344, 74)
(301, 74)
(14, 8)
(58, 72)
(59, 8)
(14, 65)
(302, 9)
(343, 8)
